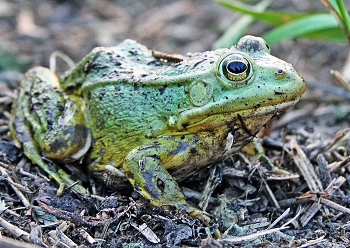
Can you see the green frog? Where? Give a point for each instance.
(151, 118)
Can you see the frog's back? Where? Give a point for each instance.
(131, 62)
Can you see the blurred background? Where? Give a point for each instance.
(31, 30)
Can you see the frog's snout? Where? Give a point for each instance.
(289, 80)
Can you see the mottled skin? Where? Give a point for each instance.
(152, 118)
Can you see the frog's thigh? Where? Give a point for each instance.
(58, 120)
(33, 116)
(69, 138)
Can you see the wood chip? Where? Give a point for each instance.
(305, 167)
(147, 232)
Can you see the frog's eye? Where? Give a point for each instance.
(235, 68)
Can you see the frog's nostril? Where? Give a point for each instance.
(280, 74)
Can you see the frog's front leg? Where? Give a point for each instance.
(49, 123)
(144, 167)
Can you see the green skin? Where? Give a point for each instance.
(151, 118)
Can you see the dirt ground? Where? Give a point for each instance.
(307, 146)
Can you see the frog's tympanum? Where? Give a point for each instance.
(153, 119)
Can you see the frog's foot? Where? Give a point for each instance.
(77, 189)
(195, 212)
(22, 133)
(155, 183)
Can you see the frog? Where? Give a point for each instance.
(151, 119)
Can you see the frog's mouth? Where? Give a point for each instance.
(250, 119)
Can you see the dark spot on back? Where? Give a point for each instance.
(162, 89)
(149, 185)
(102, 94)
(180, 148)
(136, 86)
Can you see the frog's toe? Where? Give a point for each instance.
(194, 212)
(60, 189)
(204, 216)
(78, 189)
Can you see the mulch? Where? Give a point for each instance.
(295, 193)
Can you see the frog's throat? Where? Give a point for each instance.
(192, 120)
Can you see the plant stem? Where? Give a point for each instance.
(344, 26)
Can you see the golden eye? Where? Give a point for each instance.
(236, 68)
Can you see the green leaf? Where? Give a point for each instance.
(334, 4)
(311, 24)
(273, 18)
(328, 34)
(343, 13)
(239, 27)
(234, 33)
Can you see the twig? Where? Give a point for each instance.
(10, 212)
(86, 236)
(305, 167)
(63, 56)
(239, 240)
(323, 171)
(73, 217)
(146, 232)
(63, 238)
(12, 243)
(314, 207)
(271, 194)
(336, 15)
(79, 220)
(213, 181)
(301, 210)
(4, 165)
(313, 242)
(15, 231)
(20, 166)
(335, 185)
(282, 216)
(310, 212)
(341, 78)
(23, 199)
(338, 165)
(332, 204)
(27, 174)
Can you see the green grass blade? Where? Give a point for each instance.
(302, 27)
(239, 27)
(334, 4)
(343, 13)
(327, 34)
(233, 33)
(273, 18)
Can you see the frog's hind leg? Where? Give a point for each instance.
(143, 167)
(43, 120)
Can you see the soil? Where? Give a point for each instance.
(302, 182)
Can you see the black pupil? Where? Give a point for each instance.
(236, 67)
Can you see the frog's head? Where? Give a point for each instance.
(245, 87)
